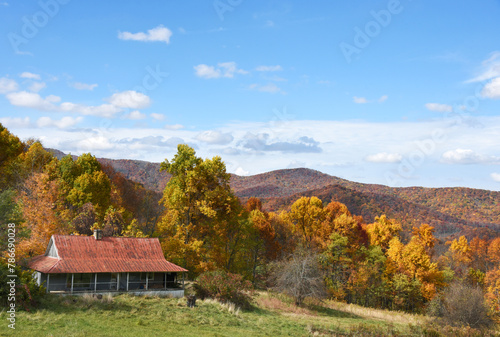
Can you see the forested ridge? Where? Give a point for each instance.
(453, 211)
(367, 244)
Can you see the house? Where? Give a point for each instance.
(76, 264)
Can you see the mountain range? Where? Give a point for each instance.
(452, 211)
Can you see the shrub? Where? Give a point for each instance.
(299, 277)
(28, 293)
(224, 287)
(464, 305)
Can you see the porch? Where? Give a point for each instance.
(151, 283)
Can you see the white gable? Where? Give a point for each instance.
(51, 249)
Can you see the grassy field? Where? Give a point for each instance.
(271, 315)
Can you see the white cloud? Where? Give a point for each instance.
(270, 88)
(83, 86)
(269, 68)
(158, 117)
(206, 71)
(63, 123)
(103, 110)
(466, 156)
(37, 86)
(262, 142)
(490, 69)
(384, 157)
(359, 100)
(383, 98)
(495, 176)
(224, 69)
(492, 89)
(125, 99)
(230, 68)
(439, 107)
(148, 141)
(7, 85)
(29, 75)
(241, 172)
(215, 137)
(174, 126)
(95, 143)
(33, 100)
(16, 122)
(130, 99)
(135, 115)
(160, 34)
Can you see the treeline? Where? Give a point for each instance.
(202, 226)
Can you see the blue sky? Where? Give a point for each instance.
(400, 93)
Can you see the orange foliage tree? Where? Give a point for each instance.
(39, 199)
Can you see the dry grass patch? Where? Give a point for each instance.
(275, 303)
(379, 314)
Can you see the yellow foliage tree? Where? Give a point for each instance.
(305, 218)
(461, 255)
(382, 231)
(414, 261)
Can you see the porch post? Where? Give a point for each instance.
(165, 280)
(127, 279)
(147, 277)
(182, 280)
(72, 280)
(95, 283)
(117, 281)
(48, 283)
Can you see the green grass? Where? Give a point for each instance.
(271, 315)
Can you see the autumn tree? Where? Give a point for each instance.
(85, 219)
(479, 254)
(113, 223)
(201, 228)
(10, 149)
(38, 198)
(261, 240)
(346, 255)
(286, 241)
(492, 288)
(414, 261)
(305, 217)
(460, 254)
(34, 159)
(382, 231)
(10, 212)
(494, 252)
(82, 181)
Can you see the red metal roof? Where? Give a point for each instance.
(85, 254)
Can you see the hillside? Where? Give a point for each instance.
(452, 211)
(271, 315)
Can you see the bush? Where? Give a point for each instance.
(464, 305)
(224, 287)
(28, 293)
(299, 277)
